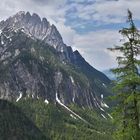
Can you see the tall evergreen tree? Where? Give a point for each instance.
(127, 84)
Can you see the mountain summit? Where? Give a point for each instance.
(35, 63)
(37, 28)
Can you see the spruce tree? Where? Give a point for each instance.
(127, 83)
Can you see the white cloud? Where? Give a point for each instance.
(93, 47)
(67, 32)
(108, 11)
(52, 10)
(93, 44)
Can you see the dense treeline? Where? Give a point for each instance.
(32, 119)
(55, 122)
(15, 125)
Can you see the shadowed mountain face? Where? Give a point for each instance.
(34, 62)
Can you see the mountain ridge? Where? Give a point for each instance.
(49, 88)
(39, 68)
(42, 30)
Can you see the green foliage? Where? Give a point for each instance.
(95, 120)
(127, 84)
(15, 125)
(56, 122)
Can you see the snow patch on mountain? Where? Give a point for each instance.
(104, 105)
(110, 116)
(72, 80)
(17, 52)
(37, 97)
(104, 85)
(57, 99)
(102, 96)
(99, 106)
(2, 42)
(73, 99)
(46, 101)
(103, 116)
(73, 116)
(20, 96)
(102, 109)
(0, 32)
(33, 96)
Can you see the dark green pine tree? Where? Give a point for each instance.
(127, 84)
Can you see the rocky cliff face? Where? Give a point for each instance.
(35, 63)
(37, 28)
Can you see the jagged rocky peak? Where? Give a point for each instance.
(20, 13)
(31, 68)
(41, 29)
(35, 26)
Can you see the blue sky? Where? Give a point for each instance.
(91, 26)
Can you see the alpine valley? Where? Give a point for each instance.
(47, 90)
